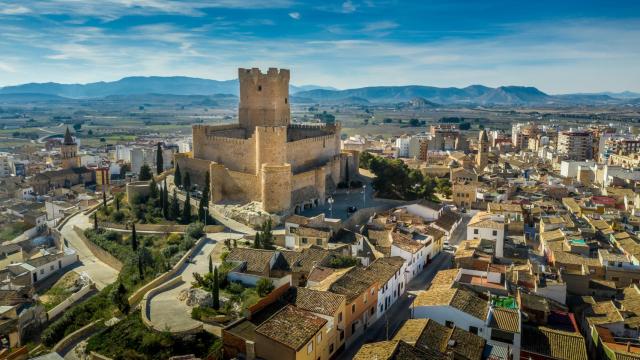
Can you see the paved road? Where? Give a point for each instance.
(400, 311)
(165, 310)
(101, 273)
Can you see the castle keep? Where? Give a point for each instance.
(264, 157)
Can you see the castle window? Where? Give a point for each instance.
(285, 100)
(259, 87)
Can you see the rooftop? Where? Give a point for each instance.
(292, 327)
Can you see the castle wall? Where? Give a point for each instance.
(234, 153)
(264, 98)
(276, 185)
(310, 153)
(238, 186)
(197, 169)
(270, 145)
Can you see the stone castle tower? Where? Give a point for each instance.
(482, 158)
(69, 151)
(264, 98)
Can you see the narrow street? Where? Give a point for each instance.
(401, 310)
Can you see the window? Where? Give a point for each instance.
(41, 271)
(475, 231)
(372, 291)
(304, 240)
(259, 87)
(353, 328)
(331, 349)
(51, 267)
(473, 330)
(310, 348)
(286, 100)
(373, 309)
(449, 324)
(353, 308)
(319, 338)
(340, 317)
(495, 232)
(319, 242)
(341, 334)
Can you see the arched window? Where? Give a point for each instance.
(259, 87)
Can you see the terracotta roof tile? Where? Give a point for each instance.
(292, 327)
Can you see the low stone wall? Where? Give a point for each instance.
(139, 294)
(176, 281)
(160, 228)
(97, 251)
(74, 336)
(69, 301)
(361, 216)
(95, 356)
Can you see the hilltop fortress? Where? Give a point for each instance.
(287, 167)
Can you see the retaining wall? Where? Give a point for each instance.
(139, 294)
(176, 281)
(74, 336)
(69, 301)
(97, 251)
(159, 228)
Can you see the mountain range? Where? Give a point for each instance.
(187, 86)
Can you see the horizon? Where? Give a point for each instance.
(558, 48)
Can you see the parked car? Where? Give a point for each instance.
(352, 209)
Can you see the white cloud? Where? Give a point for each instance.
(348, 7)
(295, 15)
(4, 67)
(379, 25)
(7, 9)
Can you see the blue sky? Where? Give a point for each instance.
(558, 46)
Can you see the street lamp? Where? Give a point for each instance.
(364, 196)
(330, 201)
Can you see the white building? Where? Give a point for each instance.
(402, 146)
(427, 210)
(45, 264)
(413, 252)
(488, 227)
(570, 169)
(7, 167)
(390, 273)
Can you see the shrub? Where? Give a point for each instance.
(169, 251)
(186, 243)
(117, 216)
(235, 288)
(341, 261)
(195, 230)
(264, 286)
(174, 239)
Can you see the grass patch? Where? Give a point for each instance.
(131, 339)
(11, 231)
(60, 291)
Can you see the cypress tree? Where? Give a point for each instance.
(186, 181)
(256, 241)
(134, 238)
(174, 210)
(153, 189)
(266, 239)
(95, 221)
(104, 199)
(186, 211)
(165, 200)
(210, 265)
(216, 289)
(177, 177)
(203, 206)
(117, 200)
(140, 268)
(159, 160)
(145, 173)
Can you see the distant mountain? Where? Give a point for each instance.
(616, 95)
(30, 98)
(175, 85)
(476, 94)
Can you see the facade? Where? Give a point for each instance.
(264, 157)
(484, 226)
(482, 158)
(69, 152)
(575, 145)
(402, 146)
(413, 252)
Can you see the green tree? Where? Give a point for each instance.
(266, 238)
(210, 265)
(177, 176)
(186, 210)
(414, 122)
(256, 241)
(134, 238)
(216, 289)
(95, 221)
(116, 199)
(119, 297)
(165, 200)
(104, 199)
(186, 181)
(153, 189)
(145, 173)
(77, 127)
(159, 160)
(203, 205)
(264, 286)
(174, 209)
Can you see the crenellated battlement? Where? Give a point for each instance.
(255, 75)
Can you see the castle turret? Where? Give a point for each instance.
(275, 186)
(264, 98)
(69, 151)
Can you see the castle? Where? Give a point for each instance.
(264, 157)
